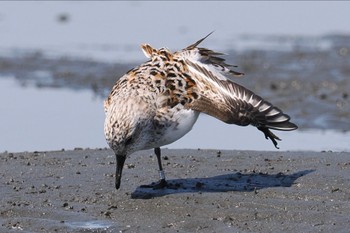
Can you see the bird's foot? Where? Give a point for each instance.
(159, 185)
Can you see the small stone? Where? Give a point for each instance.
(199, 185)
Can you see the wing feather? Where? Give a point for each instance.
(226, 100)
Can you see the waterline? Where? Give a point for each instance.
(43, 119)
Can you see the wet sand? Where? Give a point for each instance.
(210, 191)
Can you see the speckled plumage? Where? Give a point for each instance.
(158, 102)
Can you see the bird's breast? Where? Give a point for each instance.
(172, 124)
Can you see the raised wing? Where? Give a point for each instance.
(209, 60)
(224, 99)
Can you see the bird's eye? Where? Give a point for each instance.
(128, 140)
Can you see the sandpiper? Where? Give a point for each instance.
(159, 101)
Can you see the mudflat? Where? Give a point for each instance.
(209, 191)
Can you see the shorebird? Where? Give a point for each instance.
(159, 101)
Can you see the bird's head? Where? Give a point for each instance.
(124, 133)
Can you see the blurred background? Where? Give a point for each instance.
(59, 60)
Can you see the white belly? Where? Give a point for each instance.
(179, 125)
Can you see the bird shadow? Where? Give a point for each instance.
(238, 182)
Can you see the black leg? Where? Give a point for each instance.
(268, 134)
(162, 182)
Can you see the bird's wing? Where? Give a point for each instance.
(209, 59)
(226, 100)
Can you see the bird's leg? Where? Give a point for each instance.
(162, 182)
(268, 134)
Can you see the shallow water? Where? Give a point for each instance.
(48, 119)
(308, 80)
(91, 226)
(41, 119)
